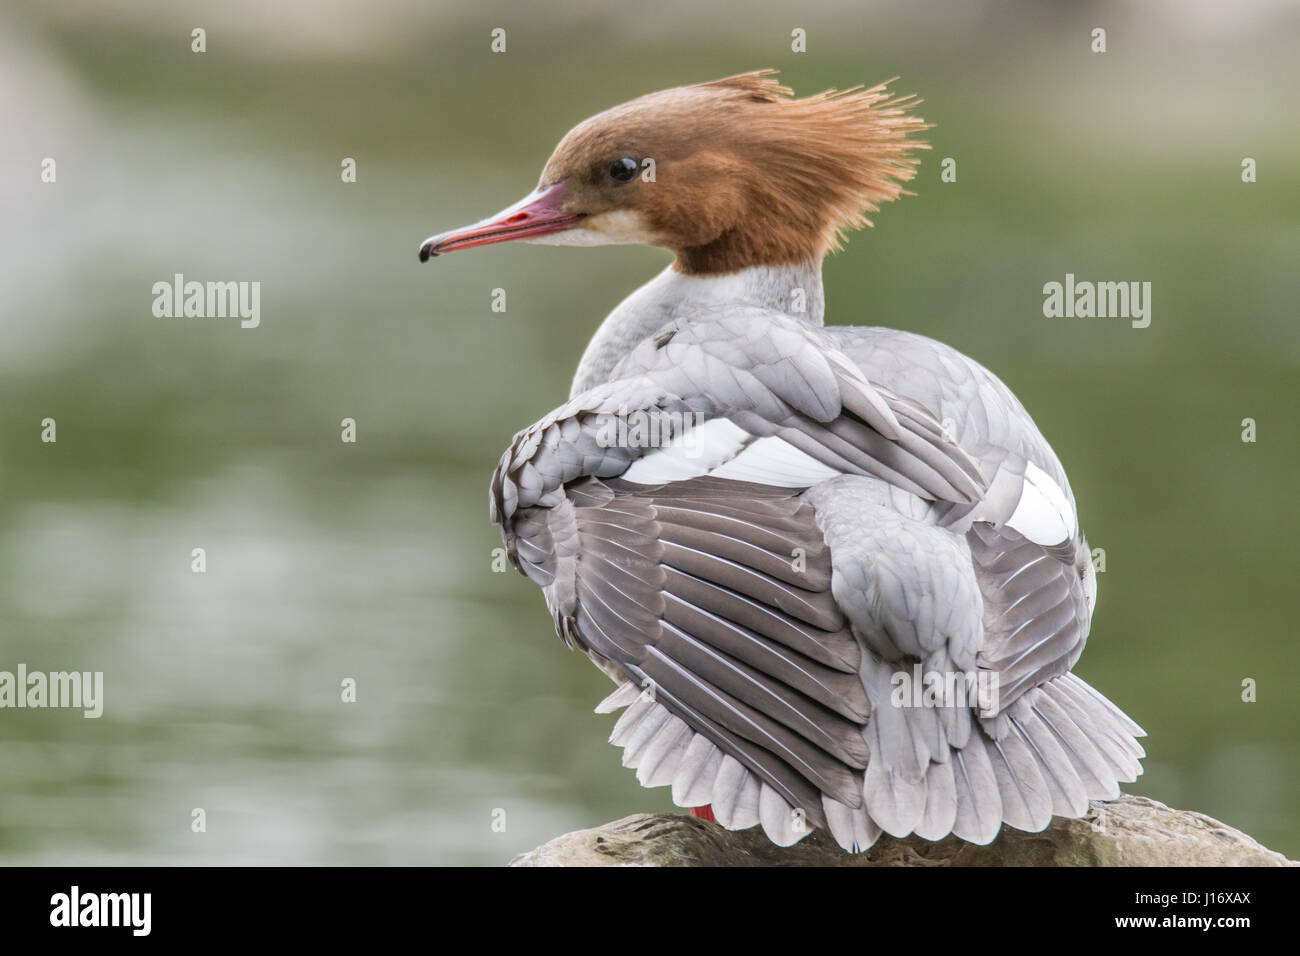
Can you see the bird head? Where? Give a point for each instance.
(728, 174)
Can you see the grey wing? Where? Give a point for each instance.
(712, 597)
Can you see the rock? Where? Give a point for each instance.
(1130, 831)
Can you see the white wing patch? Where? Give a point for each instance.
(724, 450)
(1043, 514)
(691, 454)
(774, 461)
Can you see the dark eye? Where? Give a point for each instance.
(624, 170)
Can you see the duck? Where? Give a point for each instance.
(835, 572)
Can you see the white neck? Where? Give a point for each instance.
(794, 290)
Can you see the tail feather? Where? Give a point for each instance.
(1057, 747)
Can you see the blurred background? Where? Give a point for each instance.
(373, 561)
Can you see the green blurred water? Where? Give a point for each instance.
(372, 561)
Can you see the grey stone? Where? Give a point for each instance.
(1130, 831)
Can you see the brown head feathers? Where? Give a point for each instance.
(738, 172)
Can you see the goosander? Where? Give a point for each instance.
(840, 538)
